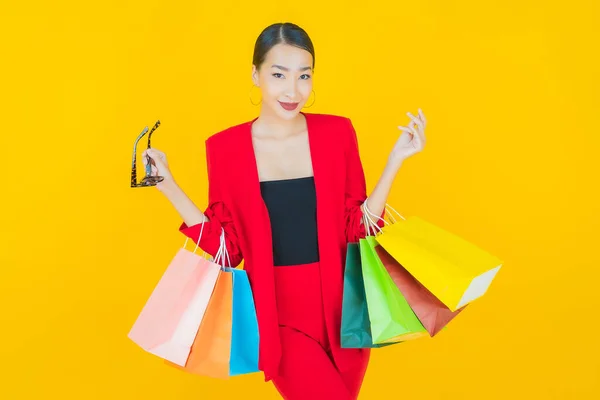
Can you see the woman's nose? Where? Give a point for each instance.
(291, 91)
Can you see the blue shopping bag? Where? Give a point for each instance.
(244, 332)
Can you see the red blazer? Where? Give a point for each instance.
(236, 205)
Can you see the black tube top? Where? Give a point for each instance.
(292, 206)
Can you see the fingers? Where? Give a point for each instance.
(153, 153)
(158, 163)
(409, 129)
(416, 120)
(147, 157)
(417, 141)
(157, 156)
(422, 132)
(421, 122)
(405, 137)
(422, 117)
(416, 130)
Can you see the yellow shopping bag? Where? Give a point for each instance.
(451, 268)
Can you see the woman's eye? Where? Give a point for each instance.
(277, 74)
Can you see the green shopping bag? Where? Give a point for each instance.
(356, 326)
(392, 319)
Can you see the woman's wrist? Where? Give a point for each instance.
(394, 164)
(169, 188)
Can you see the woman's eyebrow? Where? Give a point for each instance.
(287, 69)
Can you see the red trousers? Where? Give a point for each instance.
(307, 370)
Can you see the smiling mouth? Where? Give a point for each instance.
(289, 106)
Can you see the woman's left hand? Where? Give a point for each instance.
(412, 140)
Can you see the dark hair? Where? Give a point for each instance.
(281, 33)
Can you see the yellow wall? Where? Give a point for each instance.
(511, 92)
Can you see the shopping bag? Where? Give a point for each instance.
(454, 270)
(433, 314)
(169, 321)
(391, 317)
(211, 348)
(244, 336)
(209, 355)
(356, 325)
(227, 340)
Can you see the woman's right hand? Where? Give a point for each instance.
(160, 166)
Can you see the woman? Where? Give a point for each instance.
(288, 190)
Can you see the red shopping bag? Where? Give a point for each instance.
(432, 313)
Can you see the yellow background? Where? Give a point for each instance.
(511, 93)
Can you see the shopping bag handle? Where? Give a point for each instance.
(368, 225)
(222, 253)
(371, 223)
(197, 243)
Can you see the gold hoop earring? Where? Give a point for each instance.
(315, 99)
(250, 95)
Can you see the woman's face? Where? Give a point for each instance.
(285, 77)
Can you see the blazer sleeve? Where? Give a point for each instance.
(218, 214)
(356, 188)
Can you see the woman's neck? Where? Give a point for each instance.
(270, 125)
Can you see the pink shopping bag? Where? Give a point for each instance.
(169, 321)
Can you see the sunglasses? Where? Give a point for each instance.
(148, 180)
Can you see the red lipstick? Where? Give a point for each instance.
(289, 106)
